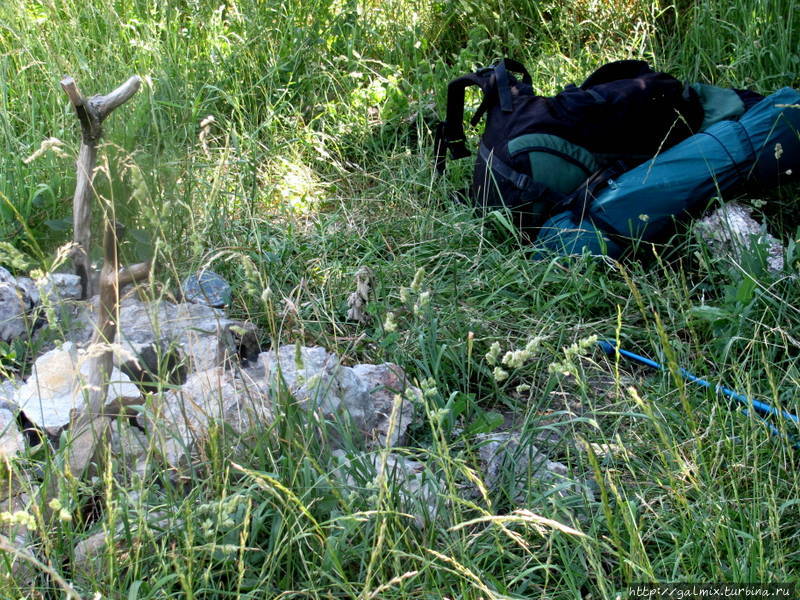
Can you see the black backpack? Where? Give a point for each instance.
(538, 153)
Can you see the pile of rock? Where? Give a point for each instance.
(220, 376)
(20, 296)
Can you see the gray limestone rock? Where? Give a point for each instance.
(384, 383)
(12, 442)
(510, 461)
(417, 487)
(13, 309)
(731, 229)
(20, 295)
(129, 446)
(205, 337)
(363, 395)
(160, 333)
(29, 290)
(55, 387)
(180, 419)
(8, 388)
(60, 286)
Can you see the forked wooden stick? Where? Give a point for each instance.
(91, 113)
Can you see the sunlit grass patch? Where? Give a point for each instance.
(296, 188)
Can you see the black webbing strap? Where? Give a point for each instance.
(504, 85)
(503, 88)
(538, 200)
(521, 181)
(450, 133)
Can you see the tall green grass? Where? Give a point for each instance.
(319, 162)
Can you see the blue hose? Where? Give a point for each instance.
(763, 409)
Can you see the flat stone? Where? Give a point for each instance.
(55, 388)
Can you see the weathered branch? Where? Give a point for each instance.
(104, 105)
(75, 96)
(91, 113)
(92, 424)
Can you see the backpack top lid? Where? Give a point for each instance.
(623, 108)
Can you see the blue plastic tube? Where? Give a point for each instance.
(762, 408)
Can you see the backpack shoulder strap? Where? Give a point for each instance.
(450, 132)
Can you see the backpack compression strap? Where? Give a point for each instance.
(450, 132)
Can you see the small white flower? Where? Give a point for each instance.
(422, 303)
(416, 284)
(500, 374)
(493, 353)
(778, 151)
(428, 387)
(20, 517)
(516, 359)
(389, 324)
(533, 345)
(644, 218)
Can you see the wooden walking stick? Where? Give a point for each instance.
(91, 113)
(89, 427)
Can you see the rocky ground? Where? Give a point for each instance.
(181, 368)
